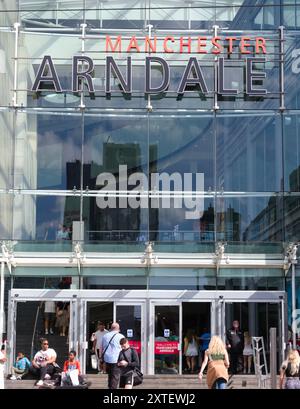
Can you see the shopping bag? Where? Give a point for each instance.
(94, 362)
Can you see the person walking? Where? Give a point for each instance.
(111, 350)
(128, 360)
(235, 345)
(216, 358)
(190, 350)
(43, 363)
(290, 370)
(97, 345)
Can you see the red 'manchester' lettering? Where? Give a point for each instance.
(113, 47)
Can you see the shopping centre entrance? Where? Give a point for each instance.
(155, 321)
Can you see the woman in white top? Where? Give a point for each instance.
(247, 352)
(190, 351)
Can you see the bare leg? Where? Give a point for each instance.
(245, 363)
(249, 363)
(193, 361)
(46, 325)
(188, 362)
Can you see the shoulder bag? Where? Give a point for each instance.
(101, 359)
(138, 375)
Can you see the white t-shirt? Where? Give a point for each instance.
(98, 336)
(42, 355)
(50, 307)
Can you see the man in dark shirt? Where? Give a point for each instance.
(235, 345)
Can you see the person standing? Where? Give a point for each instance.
(235, 345)
(97, 345)
(247, 352)
(111, 350)
(290, 369)
(2, 363)
(128, 360)
(216, 357)
(43, 363)
(49, 316)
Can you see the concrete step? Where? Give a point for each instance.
(153, 382)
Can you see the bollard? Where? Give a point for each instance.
(273, 358)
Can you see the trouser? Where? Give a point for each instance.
(234, 361)
(20, 372)
(220, 384)
(113, 375)
(41, 372)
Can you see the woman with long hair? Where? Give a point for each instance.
(190, 350)
(290, 369)
(216, 357)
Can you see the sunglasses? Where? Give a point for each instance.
(45, 343)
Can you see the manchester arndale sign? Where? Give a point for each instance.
(193, 76)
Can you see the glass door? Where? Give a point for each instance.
(167, 338)
(129, 317)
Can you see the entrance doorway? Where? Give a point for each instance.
(154, 321)
(97, 311)
(196, 331)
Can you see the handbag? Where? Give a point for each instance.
(94, 363)
(138, 375)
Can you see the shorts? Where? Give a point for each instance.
(126, 379)
(49, 316)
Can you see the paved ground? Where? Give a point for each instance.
(153, 382)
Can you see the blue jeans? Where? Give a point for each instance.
(220, 384)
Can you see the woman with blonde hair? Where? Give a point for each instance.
(290, 369)
(216, 357)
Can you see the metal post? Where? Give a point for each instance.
(273, 358)
(293, 300)
(281, 67)
(216, 106)
(14, 100)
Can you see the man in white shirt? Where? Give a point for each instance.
(112, 348)
(97, 344)
(43, 363)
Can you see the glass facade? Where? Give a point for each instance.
(151, 145)
(199, 167)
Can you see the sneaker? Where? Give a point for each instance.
(47, 376)
(13, 378)
(19, 378)
(40, 383)
(51, 331)
(46, 332)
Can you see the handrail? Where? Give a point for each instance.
(35, 324)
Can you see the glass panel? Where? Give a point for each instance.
(166, 346)
(257, 218)
(97, 312)
(249, 152)
(130, 319)
(7, 146)
(116, 159)
(291, 143)
(48, 151)
(292, 218)
(7, 53)
(116, 281)
(183, 278)
(256, 319)
(51, 14)
(292, 69)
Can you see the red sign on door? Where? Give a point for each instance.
(167, 348)
(136, 345)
